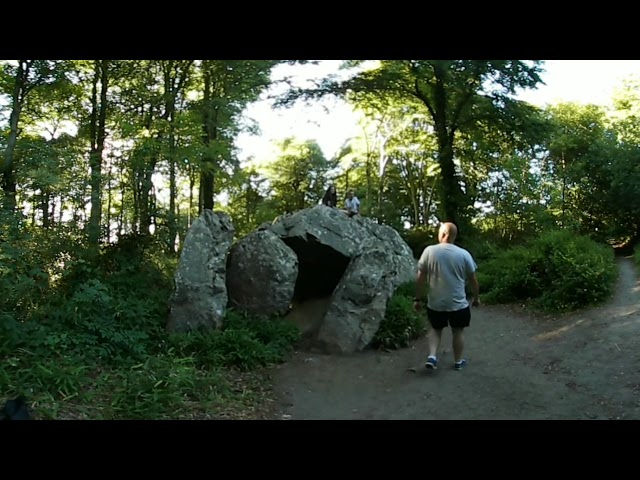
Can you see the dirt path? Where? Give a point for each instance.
(581, 366)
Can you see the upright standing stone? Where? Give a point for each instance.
(200, 297)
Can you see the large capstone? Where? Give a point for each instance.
(337, 309)
(261, 274)
(200, 297)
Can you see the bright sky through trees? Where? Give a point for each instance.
(332, 122)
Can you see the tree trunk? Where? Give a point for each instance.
(146, 182)
(145, 198)
(564, 185)
(192, 184)
(452, 193)
(427, 205)
(135, 192)
(368, 174)
(60, 211)
(406, 169)
(17, 101)
(382, 167)
(413, 191)
(209, 127)
(123, 187)
(173, 187)
(206, 186)
(346, 180)
(46, 220)
(98, 136)
(109, 203)
(452, 196)
(173, 85)
(173, 193)
(52, 212)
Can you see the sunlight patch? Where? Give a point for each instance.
(557, 332)
(626, 323)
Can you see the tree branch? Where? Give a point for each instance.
(423, 98)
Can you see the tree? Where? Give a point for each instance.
(227, 86)
(456, 94)
(576, 151)
(298, 176)
(18, 79)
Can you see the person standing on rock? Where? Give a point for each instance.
(330, 198)
(446, 268)
(352, 204)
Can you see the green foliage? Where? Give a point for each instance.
(249, 204)
(245, 342)
(480, 248)
(401, 323)
(90, 330)
(420, 238)
(408, 289)
(298, 177)
(160, 387)
(584, 171)
(24, 273)
(455, 95)
(558, 271)
(65, 305)
(163, 386)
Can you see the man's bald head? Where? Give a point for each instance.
(447, 233)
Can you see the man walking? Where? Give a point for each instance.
(446, 268)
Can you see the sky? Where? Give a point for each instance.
(331, 121)
(583, 81)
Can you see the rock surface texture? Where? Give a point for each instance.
(200, 297)
(330, 274)
(355, 262)
(261, 274)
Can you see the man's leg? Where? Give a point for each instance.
(458, 343)
(459, 321)
(438, 321)
(435, 336)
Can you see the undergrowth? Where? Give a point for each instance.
(84, 336)
(401, 323)
(558, 271)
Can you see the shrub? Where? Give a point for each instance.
(509, 277)
(481, 250)
(420, 238)
(558, 271)
(401, 323)
(408, 289)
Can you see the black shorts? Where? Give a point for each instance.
(457, 319)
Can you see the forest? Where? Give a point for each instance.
(105, 164)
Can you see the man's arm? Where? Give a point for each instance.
(475, 287)
(471, 268)
(417, 303)
(419, 283)
(420, 278)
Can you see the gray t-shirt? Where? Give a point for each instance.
(446, 267)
